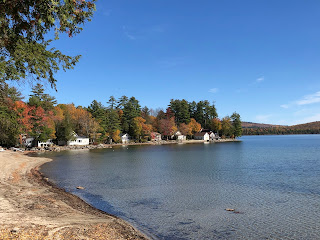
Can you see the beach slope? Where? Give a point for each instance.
(33, 208)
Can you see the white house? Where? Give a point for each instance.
(125, 138)
(213, 136)
(202, 136)
(29, 142)
(78, 141)
(179, 136)
(48, 143)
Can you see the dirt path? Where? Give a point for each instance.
(31, 208)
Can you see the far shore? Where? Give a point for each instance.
(33, 208)
(102, 146)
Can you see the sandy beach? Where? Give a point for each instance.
(32, 208)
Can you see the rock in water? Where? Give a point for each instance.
(229, 209)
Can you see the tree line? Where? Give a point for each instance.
(42, 118)
(283, 130)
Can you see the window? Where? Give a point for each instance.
(79, 140)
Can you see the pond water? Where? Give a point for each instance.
(181, 191)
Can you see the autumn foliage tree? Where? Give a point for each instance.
(141, 129)
(185, 129)
(116, 136)
(23, 111)
(216, 125)
(167, 127)
(42, 119)
(194, 126)
(226, 127)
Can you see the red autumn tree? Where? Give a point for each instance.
(167, 127)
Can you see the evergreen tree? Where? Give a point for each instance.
(236, 122)
(24, 42)
(9, 127)
(65, 128)
(96, 109)
(41, 99)
(192, 109)
(181, 111)
(112, 102)
(131, 109)
(122, 102)
(145, 113)
(204, 113)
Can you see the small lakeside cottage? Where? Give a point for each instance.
(48, 143)
(78, 141)
(29, 142)
(125, 138)
(202, 136)
(179, 136)
(212, 136)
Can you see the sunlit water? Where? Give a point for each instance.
(182, 191)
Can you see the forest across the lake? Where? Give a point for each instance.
(249, 128)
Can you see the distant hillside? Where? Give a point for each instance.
(311, 125)
(257, 125)
(249, 128)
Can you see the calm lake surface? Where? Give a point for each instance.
(181, 191)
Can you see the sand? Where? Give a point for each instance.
(33, 208)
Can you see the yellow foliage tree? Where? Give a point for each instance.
(194, 126)
(185, 129)
(116, 136)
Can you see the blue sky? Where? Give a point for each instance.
(259, 58)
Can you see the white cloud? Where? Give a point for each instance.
(214, 90)
(260, 79)
(284, 106)
(309, 99)
(263, 118)
(305, 100)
